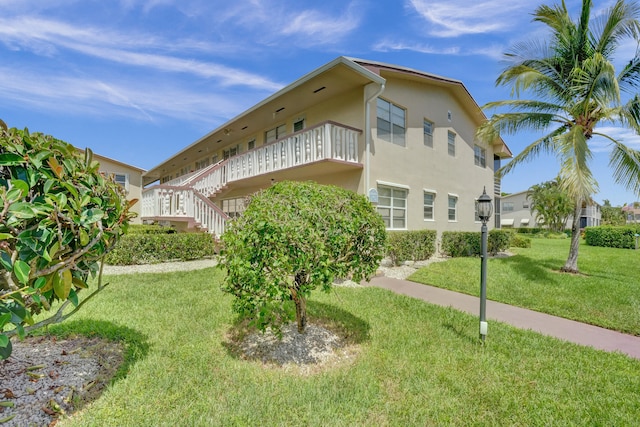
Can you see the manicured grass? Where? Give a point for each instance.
(606, 294)
(419, 365)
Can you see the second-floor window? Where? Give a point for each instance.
(275, 133)
(479, 156)
(428, 133)
(507, 206)
(451, 143)
(391, 122)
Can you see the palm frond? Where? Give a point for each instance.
(546, 144)
(509, 123)
(629, 77)
(618, 22)
(625, 163)
(575, 154)
(524, 105)
(629, 114)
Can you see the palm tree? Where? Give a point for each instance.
(575, 87)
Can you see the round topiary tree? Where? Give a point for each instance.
(59, 216)
(293, 238)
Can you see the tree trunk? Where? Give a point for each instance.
(571, 266)
(301, 303)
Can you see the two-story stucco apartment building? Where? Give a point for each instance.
(405, 138)
(128, 176)
(516, 213)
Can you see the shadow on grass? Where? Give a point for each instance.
(542, 270)
(460, 324)
(136, 345)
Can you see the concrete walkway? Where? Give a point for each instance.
(568, 330)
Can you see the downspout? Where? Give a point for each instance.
(367, 136)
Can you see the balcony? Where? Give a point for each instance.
(175, 201)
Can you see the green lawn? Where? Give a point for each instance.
(606, 294)
(419, 365)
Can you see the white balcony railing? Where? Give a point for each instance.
(327, 141)
(183, 203)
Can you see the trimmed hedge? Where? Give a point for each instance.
(150, 229)
(467, 243)
(520, 242)
(155, 248)
(410, 245)
(612, 237)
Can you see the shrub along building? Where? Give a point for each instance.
(403, 137)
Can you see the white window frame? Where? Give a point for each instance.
(388, 113)
(275, 133)
(124, 184)
(480, 156)
(233, 207)
(451, 143)
(432, 206)
(427, 133)
(454, 198)
(508, 207)
(399, 189)
(300, 123)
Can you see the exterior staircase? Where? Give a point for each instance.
(188, 198)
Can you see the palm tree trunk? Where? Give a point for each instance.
(571, 266)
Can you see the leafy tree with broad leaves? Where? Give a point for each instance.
(59, 216)
(574, 88)
(612, 215)
(293, 238)
(550, 204)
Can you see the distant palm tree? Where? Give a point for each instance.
(575, 87)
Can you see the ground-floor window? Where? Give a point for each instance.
(233, 207)
(392, 206)
(453, 207)
(429, 202)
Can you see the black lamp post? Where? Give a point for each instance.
(485, 207)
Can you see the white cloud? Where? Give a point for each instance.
(492, 51)
(604, 145)
(453, 18)
(45, 37)
(99, 97)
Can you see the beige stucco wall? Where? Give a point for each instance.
(134, 187)
(421, 167)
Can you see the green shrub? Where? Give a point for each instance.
(520, 242)
(60, 216)
(150, 229)
(468, 243)
(410, 245)
(155, 248)
(612, 237)
(293, 238)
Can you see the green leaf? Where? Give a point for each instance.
(4, 341)
(10, 159)
(39, 282)
(73, 297)
(62, 284)
(5, 260)
(5, 352)
(21, 269)
(20, 185)
(6, 236)
(90, 216)
(22, 210)
(84, 237)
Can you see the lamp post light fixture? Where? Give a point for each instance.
(485, 208)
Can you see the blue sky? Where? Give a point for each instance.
(137, 80)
